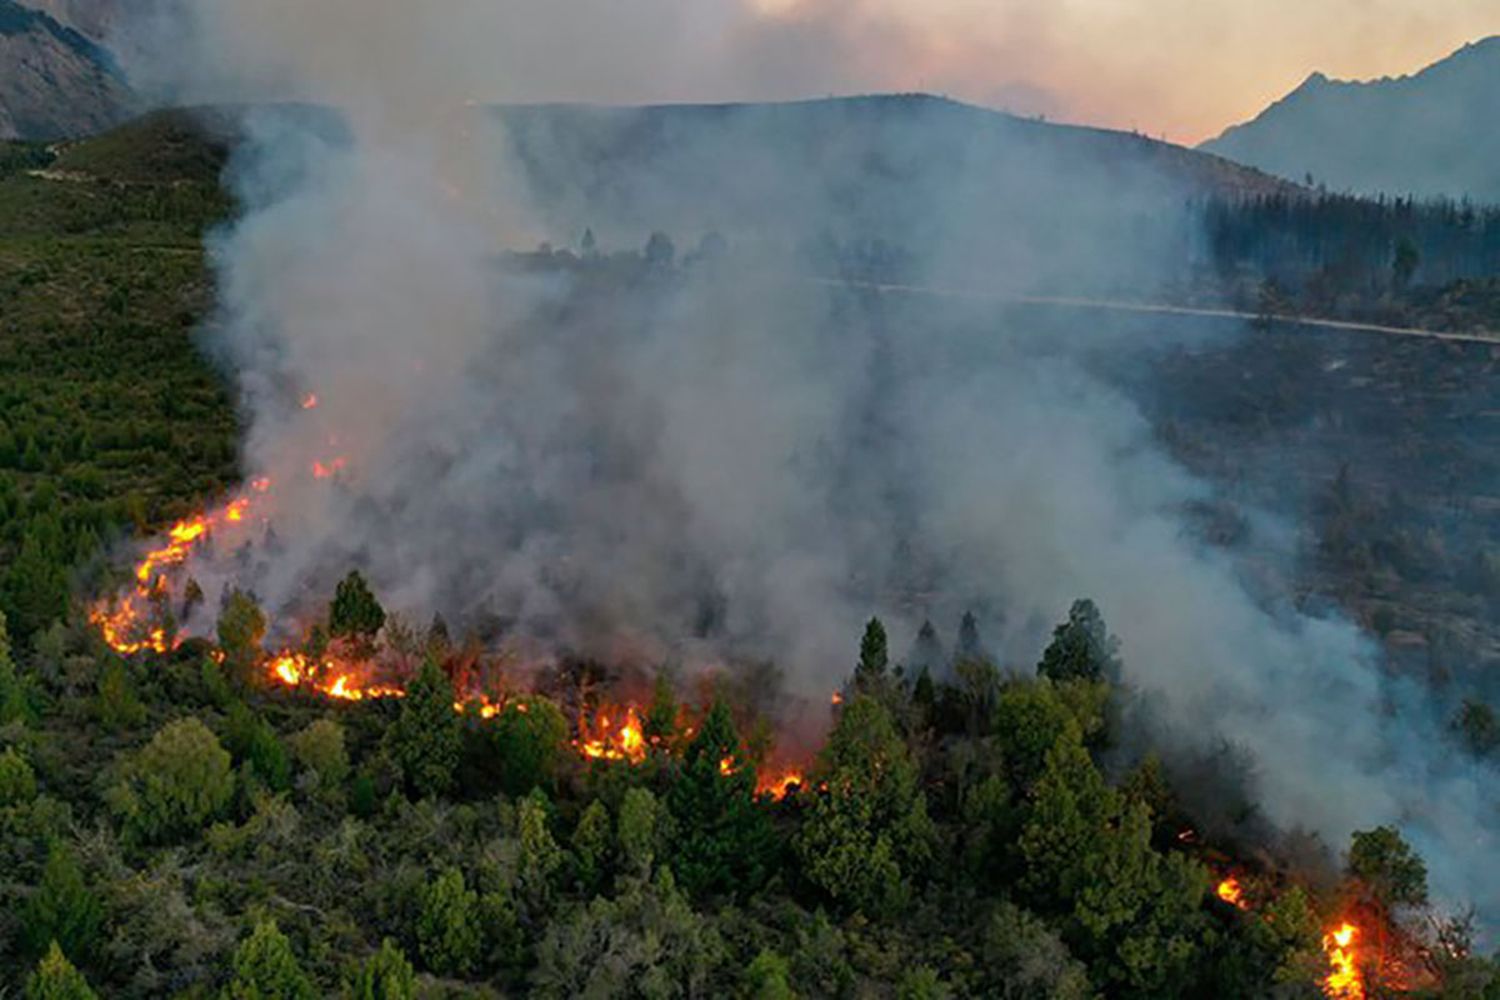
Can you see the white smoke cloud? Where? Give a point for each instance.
(737, 465)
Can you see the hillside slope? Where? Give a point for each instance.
(1431, 134)
(92, 18)
(54, 82)
(953, 191)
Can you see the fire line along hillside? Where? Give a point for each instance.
(373, 806)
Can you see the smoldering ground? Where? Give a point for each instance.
(727, 462)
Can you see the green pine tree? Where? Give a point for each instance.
(426, 739)
(449, 937)
(62, 911)
(868, 836)
(590, 847)
(1082, 648)
(355, 615)
(385, 975)
(874, 662)
(17, 779)
(36, 588)
(266, 968)
(723, 842)
(55, 978)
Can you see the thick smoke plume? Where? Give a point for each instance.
(724, 464)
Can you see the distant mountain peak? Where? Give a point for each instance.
(1428, 134)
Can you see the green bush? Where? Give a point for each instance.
(176, 784)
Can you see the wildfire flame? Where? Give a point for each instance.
(1231, 892)
(121, 620)
(328, 678)
(310, 401)
(1344, 981)
(603, 741)
(128, 623)
(779, 785)
(613, 734)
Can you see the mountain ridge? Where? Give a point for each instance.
(1423, 134)
(54, 81)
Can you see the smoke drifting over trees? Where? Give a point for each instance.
(724, 463)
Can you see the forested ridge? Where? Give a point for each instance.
(175, 824)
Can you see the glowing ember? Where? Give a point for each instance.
(310, 401)
(837, 699)
(1231, 892)
(726, 766)
(327, 470)
(261, 485)
(605, 741)
(1344, 982)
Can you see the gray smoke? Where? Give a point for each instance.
(731, 463)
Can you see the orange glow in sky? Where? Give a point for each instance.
(1185, 69)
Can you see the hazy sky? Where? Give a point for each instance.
(1185, 68)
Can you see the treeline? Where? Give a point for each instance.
(1332, 255)
(172, 826)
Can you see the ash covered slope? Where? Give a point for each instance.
(972, 194)
(1430, 134)
(54, 82)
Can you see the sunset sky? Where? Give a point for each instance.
(1183, 68)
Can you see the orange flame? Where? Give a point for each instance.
(310, 401)
(603, 741)
(327, 678)
(779, 785)
(1344, 981)
(121, 620)
(327, 470)
(1231, 892)
(726, 766)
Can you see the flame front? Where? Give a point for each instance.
(122, 620)
(1344, 981)
(130, 623)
